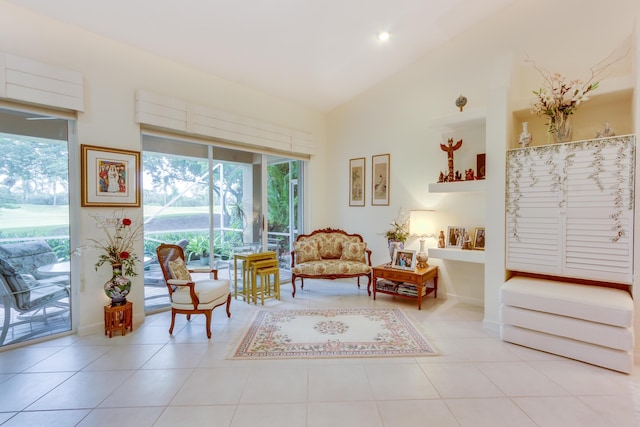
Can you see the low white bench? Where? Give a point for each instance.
(593, 324)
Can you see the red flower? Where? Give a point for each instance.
(126, 221)
(124, 255)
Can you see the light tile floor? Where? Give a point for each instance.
(148, 378)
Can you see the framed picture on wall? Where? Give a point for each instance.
(356, 181)
(109, 177)
(455, 236)
(380, 172)
(404, 259)
(479, 239)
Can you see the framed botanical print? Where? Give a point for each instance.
(380, 172)
(109, 177)
(356, 182)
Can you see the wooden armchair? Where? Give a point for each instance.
(190, 296)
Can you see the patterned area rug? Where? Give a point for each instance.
(342, 332)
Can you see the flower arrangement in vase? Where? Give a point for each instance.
(396, 236)
(117, 247)
(559, 98)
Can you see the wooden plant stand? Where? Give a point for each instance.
(118, 318)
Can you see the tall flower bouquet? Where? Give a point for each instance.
(558, 98)
(121, 234)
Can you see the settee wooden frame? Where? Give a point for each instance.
(294, 276)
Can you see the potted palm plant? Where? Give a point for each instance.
(198, 247)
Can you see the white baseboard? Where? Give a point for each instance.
(491, 326)
(468, 300)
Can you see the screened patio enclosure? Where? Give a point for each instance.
(213, 201)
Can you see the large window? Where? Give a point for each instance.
(34, 227)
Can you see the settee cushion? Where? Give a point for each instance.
(354, 251)
(306, 250)
(330, 267)
(593, 303)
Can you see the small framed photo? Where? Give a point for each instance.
(109, 177)
(380, 172)
(356, 182)
(404, 259)
(455, 236)
(478, 239)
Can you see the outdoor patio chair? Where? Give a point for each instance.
(190, 296)
(27, 295)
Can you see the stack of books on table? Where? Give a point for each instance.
(410, 290)
(387, 285)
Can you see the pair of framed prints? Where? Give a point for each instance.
(380, 172)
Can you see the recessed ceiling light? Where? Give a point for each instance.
(383, 36)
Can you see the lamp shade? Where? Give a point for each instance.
(421, 223)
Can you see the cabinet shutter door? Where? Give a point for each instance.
(533, 222)
(599, 210)
(570, 209)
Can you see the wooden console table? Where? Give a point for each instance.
(418, 278)
(118, 318)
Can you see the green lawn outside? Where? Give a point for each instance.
(44, 218)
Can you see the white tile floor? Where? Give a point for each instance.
(148, 378)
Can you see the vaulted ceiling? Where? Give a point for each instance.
(316, 53)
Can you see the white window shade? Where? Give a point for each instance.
(26, 80)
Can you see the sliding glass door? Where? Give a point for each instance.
(35, 279)
(284, 207)
(204, 198)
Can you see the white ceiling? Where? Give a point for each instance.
(316, 53)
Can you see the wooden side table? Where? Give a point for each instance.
(418, 277)
(118, 318)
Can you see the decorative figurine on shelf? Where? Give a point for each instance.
(466, 241)
(461, 101)
(441, 239)
(606, 132)
(525, 137)
(441, 177)
(468, 175)
(450, 148)
(458, 176)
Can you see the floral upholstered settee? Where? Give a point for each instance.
(330, 254)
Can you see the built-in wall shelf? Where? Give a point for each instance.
(477, 185)
(459, 120)
(455, 254)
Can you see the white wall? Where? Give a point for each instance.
(567, 36)
(112, 73)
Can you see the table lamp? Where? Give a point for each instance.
(421, 225)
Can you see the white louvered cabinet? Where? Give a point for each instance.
(569, 209)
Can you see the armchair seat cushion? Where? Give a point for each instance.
(208, 291)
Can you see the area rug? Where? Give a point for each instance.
(332, 333)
